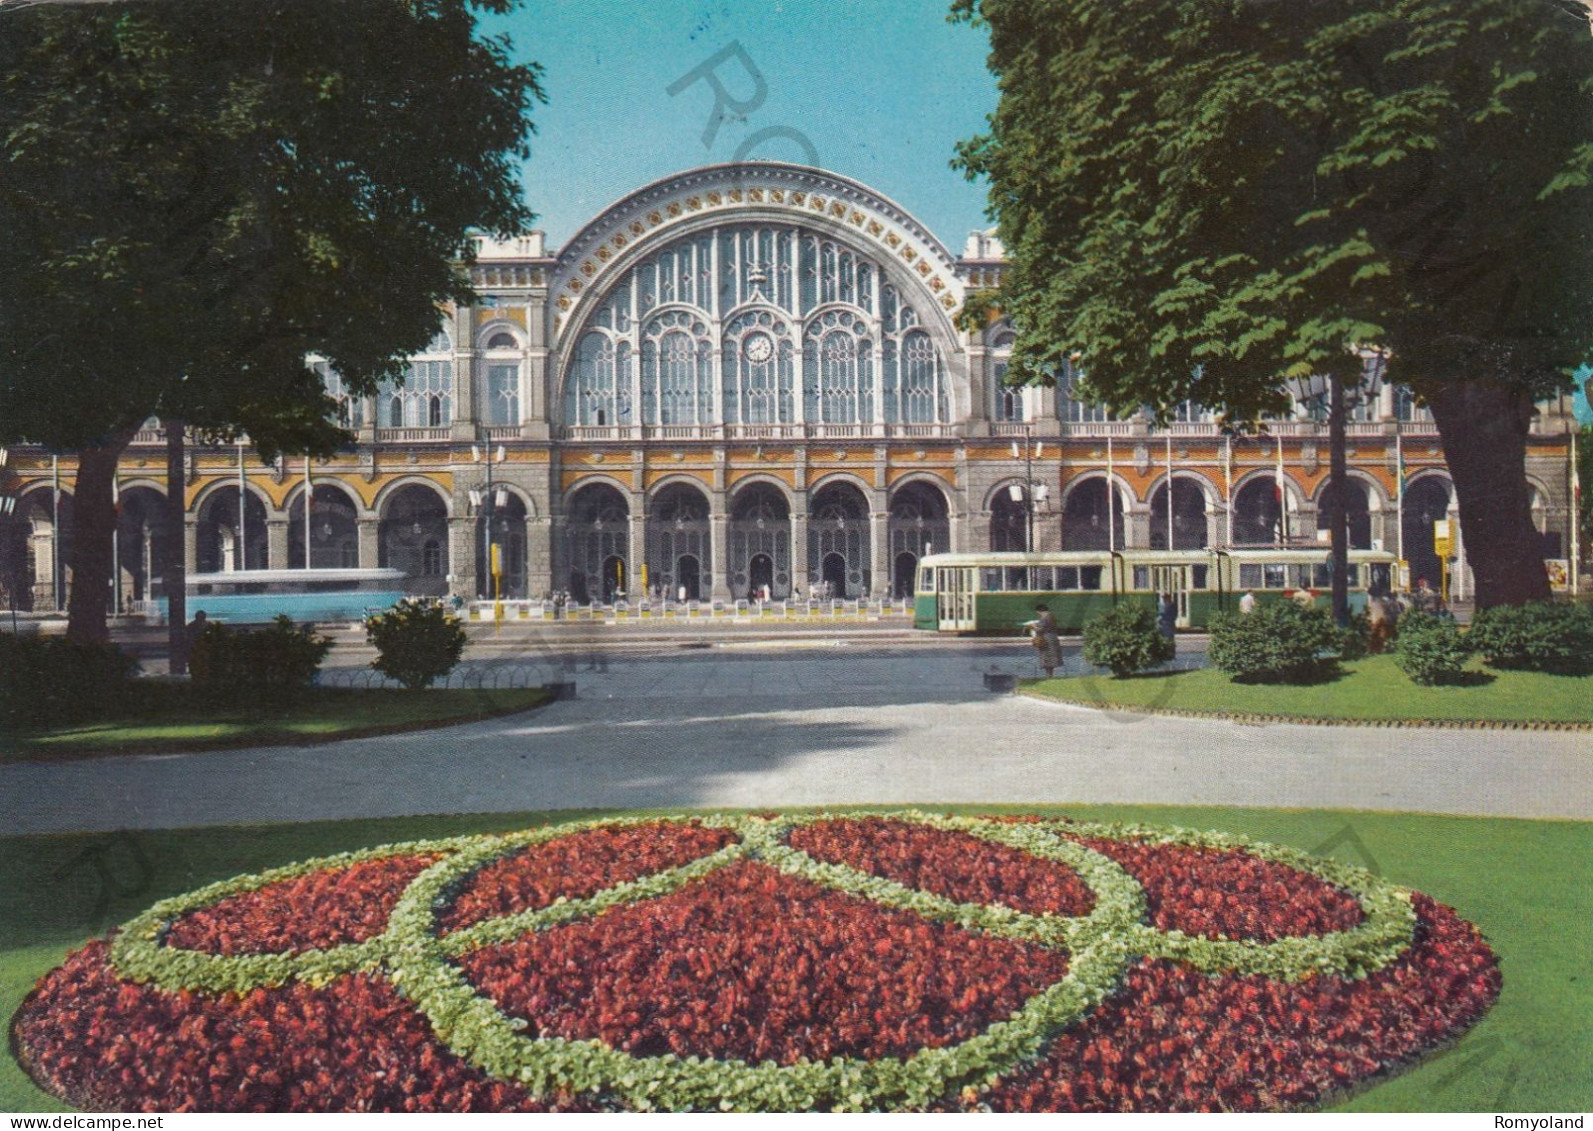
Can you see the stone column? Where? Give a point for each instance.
(370, 548)
(879, 541)
(462, 556)
(44, 570)
(191, 544)
(799, 550)
(465, 414)
(636, 555)
(719, 527)
(1138, 520)
(277, 544)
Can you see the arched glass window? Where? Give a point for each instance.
(350, 408)
(837, 321)
(1073, 403)
(426, 399)
(598, 391)
(502, 340)
(503, 393)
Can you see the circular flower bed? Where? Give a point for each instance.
(766, 963)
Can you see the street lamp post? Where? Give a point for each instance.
(487, 499)
(1033, 493)
(1314, 391)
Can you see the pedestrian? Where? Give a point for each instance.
(1167, 616)
(1247, 603)
(191, 634)
(1046, 638)
(1424, 599)
(1380, 620)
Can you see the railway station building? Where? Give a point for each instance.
(738, 380)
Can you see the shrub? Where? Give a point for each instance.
(1544, 636)
(1355, 640)
(272, 662)
(1431, 650)
(1125, 639)
(1278, 643)
(417, 641)
(47, 679)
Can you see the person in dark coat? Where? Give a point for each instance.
(1047, 639)
(1167, 615)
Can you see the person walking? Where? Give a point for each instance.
(1167, 616)
(1247, 603)
(1380, 623)
(1047, 640)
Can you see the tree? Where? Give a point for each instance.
(1202, 197)
(191, 207)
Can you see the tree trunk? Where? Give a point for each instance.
(176, 568)
(1484, 430)
(1338, 531)
(93, 536)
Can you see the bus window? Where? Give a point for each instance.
(1250, 577)
(990, 579)
(1142, 577)
(1272, 577)
(1017, 579)
(1089, 577)
(1067, 577)
(1197, 576)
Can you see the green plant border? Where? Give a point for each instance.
(1100, 946)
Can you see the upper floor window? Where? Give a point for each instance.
(502, 340)
(503, 393)
(350, 408)
(1073, 403)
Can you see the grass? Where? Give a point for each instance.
(1369, 689)
(172, 720)
(1523, 882)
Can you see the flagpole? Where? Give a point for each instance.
(1169, 489)
(242, 556)
(1576, 520)
(116, 539)
(1283, 502)
(1227, 487)
(1399, 492)
(308, 491)
(1111, 500)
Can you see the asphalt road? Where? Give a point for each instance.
(809, 721)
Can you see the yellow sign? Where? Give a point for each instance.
(1443, 543)
(497, 562)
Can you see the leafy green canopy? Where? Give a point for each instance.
(1200, 196)
(195, 195)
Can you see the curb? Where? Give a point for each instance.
(1245, 718)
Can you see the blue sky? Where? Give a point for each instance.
(883, 91)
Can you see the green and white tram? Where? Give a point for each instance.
(996, 593)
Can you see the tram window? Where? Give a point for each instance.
(990, 579)
(1250, 577)
(1067, 577)
(1353, 576)
(1017, 579)
(1300, 576)
(925, 580)
(1043, 578)
(1089, 577)
(1379, 579)
(1142, 577)
(1274, 577)
(1197, 576)
(1321, 577)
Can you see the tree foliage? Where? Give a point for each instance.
(1203, 196)
(195, 196)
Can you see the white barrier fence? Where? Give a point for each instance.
(689, 610)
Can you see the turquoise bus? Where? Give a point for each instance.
(257, 596)
(996, 593)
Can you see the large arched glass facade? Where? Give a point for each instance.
(755, 324)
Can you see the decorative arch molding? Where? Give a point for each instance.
(498, 326)
(1427, 474)
(851, 479)
(679, 479)
(384, 497)
(1125, 492)
(1001, 487)
(146, 483)
(1377, 498)
(203, 496)
(1209, 490)
(568, 496)
(927, 479)
(761, 479)
(1293, 494)
(784, 193)
(295, 496)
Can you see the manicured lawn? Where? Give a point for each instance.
(1373, 688)
(173, 721)
(1523, 882)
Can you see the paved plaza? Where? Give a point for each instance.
(812, 721)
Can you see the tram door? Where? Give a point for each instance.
(1174, 580)
(954, 592)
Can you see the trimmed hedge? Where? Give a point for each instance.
(1431, 650)
(271, 662)
(1125, 639)
(52, 679)
(1277, 643)
(1542, 636)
